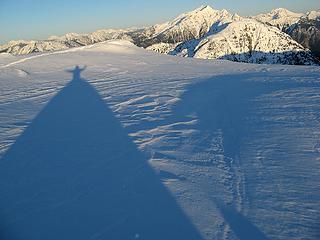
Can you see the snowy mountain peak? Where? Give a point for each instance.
(279, 17)
(204, 8)
(194, 24)
(303, 28)
(204, 11)
(204, 32)
(313, 15)
(282, 12)
(247, 40)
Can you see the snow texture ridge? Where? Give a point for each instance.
(140, 145)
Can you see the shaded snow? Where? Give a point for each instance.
(157, 147)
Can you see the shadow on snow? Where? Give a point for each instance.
(75, 174)
(230, 100)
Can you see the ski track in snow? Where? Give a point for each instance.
(236, 144)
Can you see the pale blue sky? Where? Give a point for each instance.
(38, 19)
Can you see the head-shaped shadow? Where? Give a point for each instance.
(75, 174)
(76, 72)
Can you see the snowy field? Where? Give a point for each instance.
(150, 146)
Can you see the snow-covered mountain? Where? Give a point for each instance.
(280, 17)
(307, 32)
(232, 37)
(56, 43)
(247, 41)
(303, 28)
(187, 26)
(202, 33)
(313, 15)
(283, 18)
(191, 25)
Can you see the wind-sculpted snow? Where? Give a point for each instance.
(75, 173)
(150, 146)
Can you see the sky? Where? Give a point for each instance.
(39, 19)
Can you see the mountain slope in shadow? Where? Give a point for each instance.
(75, 174)
(286, 57)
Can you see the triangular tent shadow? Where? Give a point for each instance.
(75, 174)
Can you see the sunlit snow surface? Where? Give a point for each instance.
(234, 148)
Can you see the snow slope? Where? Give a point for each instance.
(150, 146)
(191, 25)
(58, 43)
(313, 15)
(250, 41)
(217, 33)
(303, 28)
(283, 18)
(280, 17)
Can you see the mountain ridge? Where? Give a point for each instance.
(188, 30)
(303, 28)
